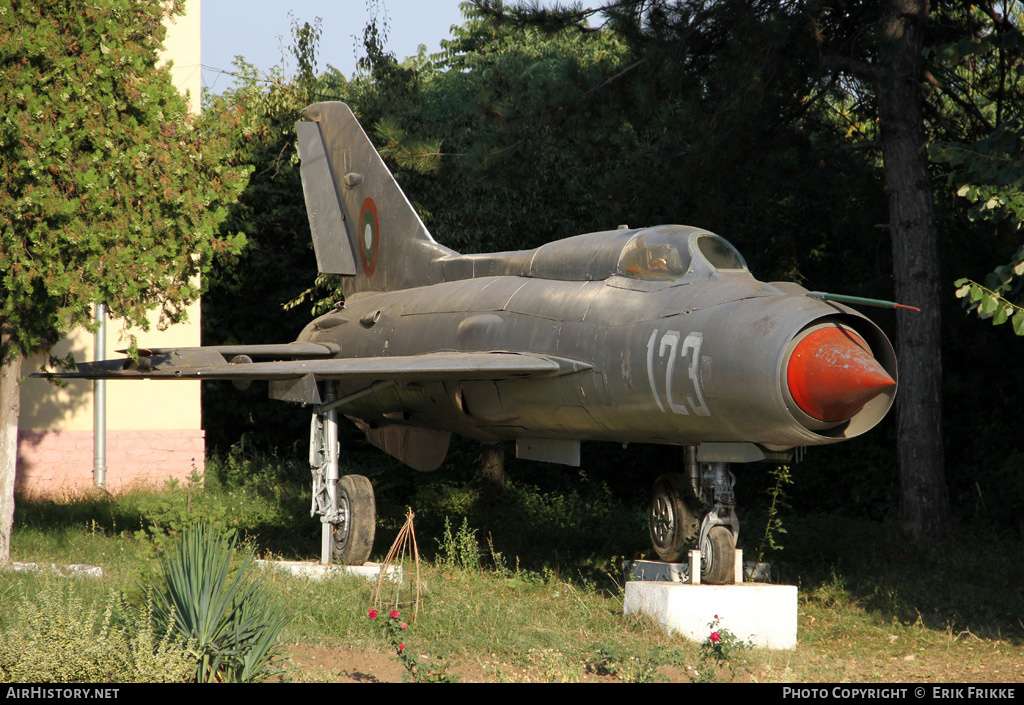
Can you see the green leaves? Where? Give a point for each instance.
(989, 172)
(421, 156)
(989, 304)
(1018, 322)
(977, 105)
(991, 176)
(109, 192)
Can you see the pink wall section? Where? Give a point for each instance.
(60, 463)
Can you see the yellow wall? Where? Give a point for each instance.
(141, 405)
(182, 47)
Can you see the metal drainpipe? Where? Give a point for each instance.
(99, 403)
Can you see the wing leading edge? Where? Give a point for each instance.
(212, 363)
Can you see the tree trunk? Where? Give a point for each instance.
(924, 498)
(10, 407)
(492, 470)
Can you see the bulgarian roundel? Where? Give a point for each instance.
(369, 236)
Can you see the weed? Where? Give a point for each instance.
(246, 468)
(180, 507)
(628, 667)
(459, 550)
(554, 666)
(498, 560)
(832, 593)
(781, 477)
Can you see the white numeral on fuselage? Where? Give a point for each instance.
(670, 343)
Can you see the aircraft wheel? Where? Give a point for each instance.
(717, 557)
(672, 522)
(353, 535)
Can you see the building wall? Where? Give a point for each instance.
(154, 429)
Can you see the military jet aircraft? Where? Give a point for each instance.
(633, 335)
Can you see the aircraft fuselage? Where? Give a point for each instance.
(694, 360)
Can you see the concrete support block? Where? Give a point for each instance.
(72, 570)
(763, 614)
(318, 571)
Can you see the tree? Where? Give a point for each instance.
(979, 73)
(924, 499)
(892, 47)
(112, 191)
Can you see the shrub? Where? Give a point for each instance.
(56, 638)
(219, 607)
(395, 632)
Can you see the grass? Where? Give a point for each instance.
(529, 588)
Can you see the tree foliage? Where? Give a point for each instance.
(980, 72)
(545, 129)
(112, 193)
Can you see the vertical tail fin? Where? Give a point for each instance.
(362, 224)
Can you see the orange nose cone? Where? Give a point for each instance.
(832, 374)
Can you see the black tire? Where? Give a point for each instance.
(672, 520)
(353, 536)
(718, 557)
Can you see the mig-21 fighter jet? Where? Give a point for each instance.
(633, 335)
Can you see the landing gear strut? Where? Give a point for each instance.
(676, 503)
(346, 505)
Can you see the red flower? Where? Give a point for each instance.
(394, 614)
(403, 625)
(373, 614)
(401, 646)
(715, 638)
(716, 616)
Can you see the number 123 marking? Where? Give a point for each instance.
(670, 343)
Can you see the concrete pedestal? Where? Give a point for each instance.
(763, 614)
(319, 571)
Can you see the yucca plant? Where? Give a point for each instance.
(214, 601)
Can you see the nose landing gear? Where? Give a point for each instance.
(673, 520)
(676, 503)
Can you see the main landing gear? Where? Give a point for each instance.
(345, 504)
(677, 502)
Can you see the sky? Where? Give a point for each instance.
(260, 29)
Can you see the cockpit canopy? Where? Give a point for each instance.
(661, 253)
(666, 252)
(654, 255)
